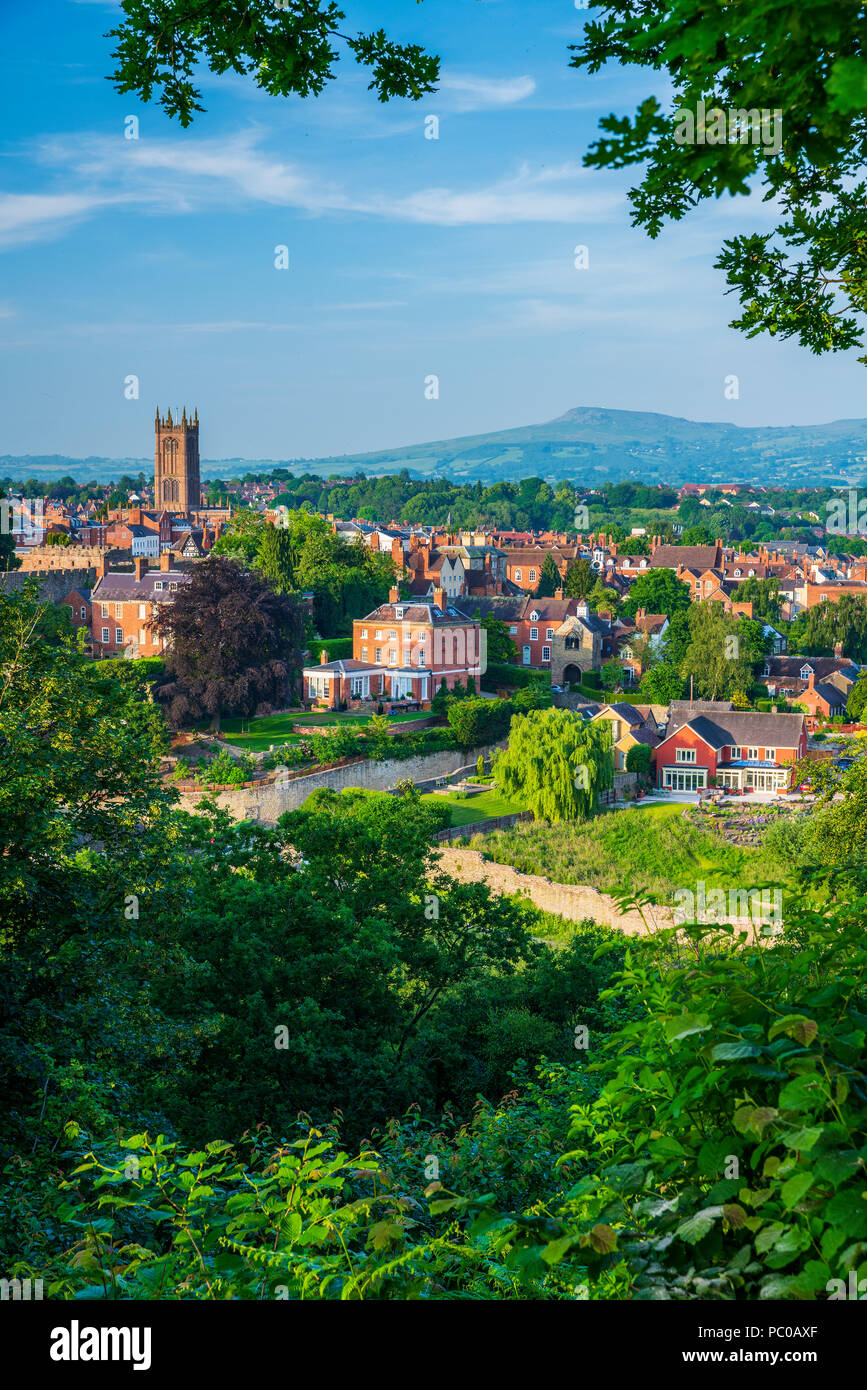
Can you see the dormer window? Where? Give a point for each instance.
(158, 584)
(806, 672)
(534, 616)
(398, 613)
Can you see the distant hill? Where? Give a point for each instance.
(586, 445)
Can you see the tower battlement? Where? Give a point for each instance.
(176, 461)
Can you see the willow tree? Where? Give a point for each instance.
(557, 763)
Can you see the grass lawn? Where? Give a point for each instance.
(256, 735)
(476, 808)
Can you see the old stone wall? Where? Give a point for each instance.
(268, 801)
(572, 901)
(51, 588)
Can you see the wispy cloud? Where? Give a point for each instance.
(32, 216)
(472, 93)
(179, 177)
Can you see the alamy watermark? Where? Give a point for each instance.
(763, 907)
(714, 126)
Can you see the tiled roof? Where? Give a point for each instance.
(416, 613)
(123, 587)
(745, 727)
(701, 557)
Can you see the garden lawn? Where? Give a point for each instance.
(257, 735)
(650, 852)
(476, 808)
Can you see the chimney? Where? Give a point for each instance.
(838, 650)
(100, 568)
(141, 564)
(323, 657)
(811, 683)
(558, 593)
(135, 516)
(439, 598)
(393, 595)
(639, 614)
(166, 558)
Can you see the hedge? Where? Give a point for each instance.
(514, 675)
(338, 648)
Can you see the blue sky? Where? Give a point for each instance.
(408, 256)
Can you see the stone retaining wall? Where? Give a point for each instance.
(267, 801)
(570, 900)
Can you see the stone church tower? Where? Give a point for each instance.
(176, 463)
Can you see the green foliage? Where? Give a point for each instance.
(657, 591)
(478, 722)
(557, 763)
(638, 759)
(725, 1147)
(817, 630)
(515, 676)
(857, 700)
(549, 578)
(807, 277)
(287, 49)
(580, 579)
(724, 652)
(649, 853)
(233, 644)
(501, 648)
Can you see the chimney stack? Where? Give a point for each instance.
(439, 598)
(838, 650)
(141, 565)
(639, 614)
(558, 593)
(323, 657)
(166, 558)
(393, 595)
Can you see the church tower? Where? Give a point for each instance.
(176, 463)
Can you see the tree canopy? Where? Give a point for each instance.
(233, 645)
(286, 46)
(776, 94)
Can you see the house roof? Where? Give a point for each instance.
(417, 613)
(629, 713)
(745, 727)
(701, 557)
(122, 586)
(681, 711)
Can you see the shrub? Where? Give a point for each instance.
(518, 676)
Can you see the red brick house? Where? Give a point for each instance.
(78, 601)
(741, 750)
(124, 605)
(401, 652)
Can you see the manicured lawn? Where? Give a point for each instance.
(476, 808)
(256, 735)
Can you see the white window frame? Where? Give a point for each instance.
(685, 755)
(517, 574)
(534, 634)
(106, 635)
(118, 635)
(531, 577)
(546, 653)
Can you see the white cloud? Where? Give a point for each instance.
(187, 175)
(31, 216)
(472, 93)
